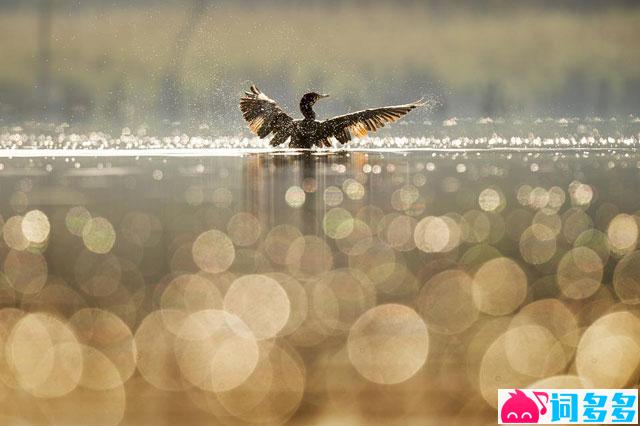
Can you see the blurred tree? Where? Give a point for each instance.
(493, 102)
(603, 95)
(115, 102)
(171, 94)
(45, 18)
(440, 5)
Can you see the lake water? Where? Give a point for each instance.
(401, 280)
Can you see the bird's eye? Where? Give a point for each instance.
(515, 415)
(525, 414)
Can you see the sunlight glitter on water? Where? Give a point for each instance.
(16, 145)
(450, 134)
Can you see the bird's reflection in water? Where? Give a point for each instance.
(341, 287)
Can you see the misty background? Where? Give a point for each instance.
(117, 63)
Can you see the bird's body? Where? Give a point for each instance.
(265, 117)
(306, 133)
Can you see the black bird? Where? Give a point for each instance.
(265, 117)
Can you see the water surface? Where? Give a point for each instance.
(405, 279)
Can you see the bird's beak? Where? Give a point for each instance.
(324, 96)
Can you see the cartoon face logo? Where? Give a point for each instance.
(519, 408)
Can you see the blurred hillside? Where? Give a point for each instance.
(121, 63)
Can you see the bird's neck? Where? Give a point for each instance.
(307, 110)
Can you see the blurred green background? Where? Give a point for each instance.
(126, 62)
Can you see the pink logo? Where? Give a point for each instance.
(519, 408)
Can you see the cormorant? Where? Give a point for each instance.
(265, 117)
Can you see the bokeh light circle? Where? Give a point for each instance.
(446, 302)
(98, 235)
(45, 356)
(499, 286)
(26, 272)
(244, 229)
(105, 332)
(278, 241)
(626, 278)
(213, 251)
(580, 273)
(35, 226)
(295, 197)
(612, 340)
(434, 234)
(217, 351)
(337, 223)
(309, 255)
(388, 344)
(623, 233)
(260, 302)
(76, 218)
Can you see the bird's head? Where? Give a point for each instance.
(312, 98)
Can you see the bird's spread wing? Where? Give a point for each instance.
(343, 127)
(264, 115)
